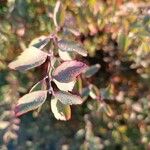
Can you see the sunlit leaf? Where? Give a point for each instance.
(65, 55)
(30, 102)
(92, 70)
(65, 86)
(3, 124)
(68, 71)
(68, 98)
(39, 42)
(60, 111)
(30, 58)
(69, 46)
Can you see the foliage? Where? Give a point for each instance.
(114, 88)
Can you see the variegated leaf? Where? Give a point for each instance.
(39, 42)
(30, 102)
(65, 86)
(92, 70)
(60, 111)
(30, 58)
(70, 46)
(68, 98)
(68, 71)
(94, 91)
(65, 55)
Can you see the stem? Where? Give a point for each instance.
(50, 90)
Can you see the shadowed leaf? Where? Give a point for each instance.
(60, 111)
(68, 98)
(68, 71)
(70, 46)
(92, 70)
(30, 58)
(85, 93)
(30, 102)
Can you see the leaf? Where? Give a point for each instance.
(68, 98)
(85, 93)
(70, 46)
(59, 14)
(65, 86)
(123, 41)
(30, 102)
(39, 42)
(56, 9)
(94, 91)
(68, 71)
(30, 58)
(60, 111)
(65, 55)
(107, 109)
(92, 70)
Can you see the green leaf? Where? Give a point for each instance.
(94, 91)
(59, 14)
(68, 98)
(92, 70)
(123, 42)
(30, 102)
(85, 93)
(60, 111)
(71, 46)
(39, 42)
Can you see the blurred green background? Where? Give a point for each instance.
(116, 34)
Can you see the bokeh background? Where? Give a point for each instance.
(116, 34)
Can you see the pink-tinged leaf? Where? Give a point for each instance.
(65, 86)
(60, 111)
(68, 71)
(30, 58)
(30, 102)
(70, 46)
(68, 98)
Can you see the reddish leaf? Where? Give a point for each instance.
(30, 58)
(68, 71)
(30, 102)
(68, 98)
